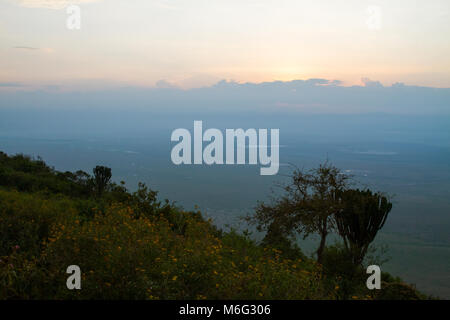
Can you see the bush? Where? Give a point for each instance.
(132, 246)
(397, 291)
(25, 220)
(170, 254)
(338, 265)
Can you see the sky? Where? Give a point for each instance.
(195, 43)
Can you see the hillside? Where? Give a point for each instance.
(130, 245)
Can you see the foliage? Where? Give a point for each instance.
(349, 278)
(102, 177)
(133, 246)
(362, 215)
(398, 291)
(308, 205)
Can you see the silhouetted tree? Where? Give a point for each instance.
(363, 213)
(102, 177)
(307, 206)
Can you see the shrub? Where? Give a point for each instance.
(397, 291)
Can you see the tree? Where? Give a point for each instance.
(363, 214)
(308, 205)
(102, 177)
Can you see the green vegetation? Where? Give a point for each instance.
(320, 201)
(133, 246)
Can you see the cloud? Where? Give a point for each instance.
(277, 97)
(229, 97)
(50, 4)
(370, 83)
(163, 84)
(46, 50)
(323, 82)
